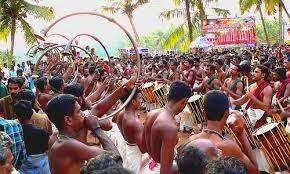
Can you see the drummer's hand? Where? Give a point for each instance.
(250, 95)
(139, 82)
(223, 88)
(91, 122)
(131, 83)
(236, 122)
(273, 111)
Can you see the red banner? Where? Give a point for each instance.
(230, 32)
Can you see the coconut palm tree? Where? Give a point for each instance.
(13, 16)
(193, 14)
(127, 7)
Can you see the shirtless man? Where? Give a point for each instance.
(233, 85)
(286, 64)
(43, 92)
(188, 74)
(259, 95)
(221, 75)
(131, 128)
(216, 109)
(90, 78)
(210, 82)
(70, 151)
(200, 73)
(174, 75)
(160, 129)
(283, 91)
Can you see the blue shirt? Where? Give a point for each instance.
(14, 130)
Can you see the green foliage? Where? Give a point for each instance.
(18, 10)
(5, 57)
(179, 38)
(273, 32)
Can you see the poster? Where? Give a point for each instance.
(287, 34)
(230, 32)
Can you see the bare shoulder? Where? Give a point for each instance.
(229, 148)
(268, 90)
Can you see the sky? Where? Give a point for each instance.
(146, 19)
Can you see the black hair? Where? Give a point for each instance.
(19, 70)
(281, 72)
(191, 160)
(60, 106)
(23, 109)
(175, 63)
(16, 80)
(215, 104)
(264, 70)
(74, 89)
(245, 67)
(196, 59)
(219, 61)
(102, 162)
(190, 61)
(238, 66)
(26, 95)
(178, 90)
(92, 69)
(56, 83)
(41, 83)
(227, 165)
(111, 170)
(164, 62)
(128, 93)
(211, 67)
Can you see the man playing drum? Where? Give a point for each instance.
(258, 96)
(216, 108)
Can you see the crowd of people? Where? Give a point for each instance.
(53, 117)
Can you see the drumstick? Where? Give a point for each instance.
(247, 83)
(280, 106)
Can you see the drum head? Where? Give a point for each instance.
(266, 128)
(147, 85)
(194, 98)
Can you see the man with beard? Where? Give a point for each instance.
(160, 130)
(6, 103)
(233, 86)
(258, 96)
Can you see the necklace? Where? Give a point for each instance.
(214, 132)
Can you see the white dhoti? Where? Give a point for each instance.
(263, 164)
(133, 158)
(287, 129)
(115, 135)
(186, 119)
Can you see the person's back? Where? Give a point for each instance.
(160, 130)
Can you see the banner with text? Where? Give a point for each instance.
(230, 32)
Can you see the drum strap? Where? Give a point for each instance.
(214, 132)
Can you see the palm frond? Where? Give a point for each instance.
(177, 3)
(185, 45)
(139, 3)
(270, 6)
(4, 27)
(201, 9)
(246, 5)
(171, 14)
(43, 12)
(28, 32)
(174, 38)
(221, 12)
(111, 10)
